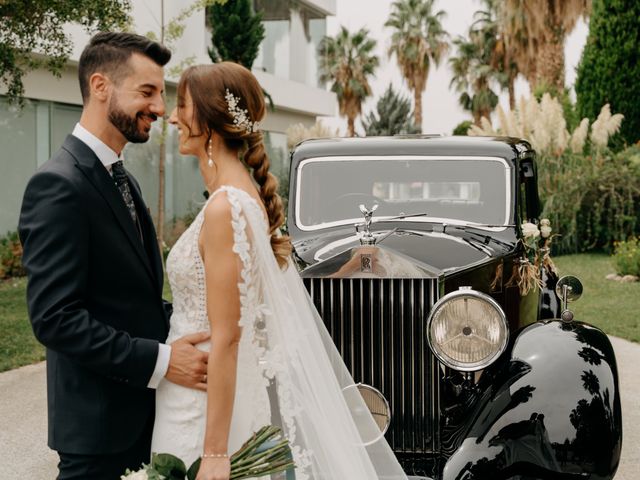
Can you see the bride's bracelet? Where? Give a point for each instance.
(215, 455)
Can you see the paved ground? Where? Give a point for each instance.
(23, 419)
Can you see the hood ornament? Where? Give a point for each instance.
(367, 237)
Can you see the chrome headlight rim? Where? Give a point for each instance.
(360, 387)
(468, 367)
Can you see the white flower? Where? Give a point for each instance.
(579, 136)
(545, 231)
(139, 475)
(605, 126)
(530, 230)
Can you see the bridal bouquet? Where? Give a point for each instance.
(265, 453)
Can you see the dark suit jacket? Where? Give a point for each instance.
(95, 301)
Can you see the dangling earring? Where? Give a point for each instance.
(210, 162)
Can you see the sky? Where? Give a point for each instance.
(441, 112)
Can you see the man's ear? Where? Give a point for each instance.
(100, 87)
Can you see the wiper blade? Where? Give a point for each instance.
(400, 217)
(464, 226)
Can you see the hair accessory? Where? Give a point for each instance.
(209, 150)
(240, 115)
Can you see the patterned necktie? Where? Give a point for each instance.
(120, 177)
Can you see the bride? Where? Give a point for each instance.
(271, 361)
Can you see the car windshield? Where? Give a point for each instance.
(451, 189)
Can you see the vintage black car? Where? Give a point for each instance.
(412, 250)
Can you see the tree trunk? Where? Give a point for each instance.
(417, 108)
(161, 183)
(476, 118)
(351, 130)
(550, 60)
(163, 154)
(511, 87)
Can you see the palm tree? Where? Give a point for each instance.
(418, 40)
(472, 75)
(393, 116)
(348, 61)
(488, 30)
(535, 30)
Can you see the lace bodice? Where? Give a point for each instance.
(185, 270)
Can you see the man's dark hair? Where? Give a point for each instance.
(109, 52)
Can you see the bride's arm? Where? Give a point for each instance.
(223, 309)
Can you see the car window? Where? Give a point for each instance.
(464, 189)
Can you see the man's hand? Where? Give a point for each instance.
(188, 365)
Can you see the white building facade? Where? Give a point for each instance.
(286, 67)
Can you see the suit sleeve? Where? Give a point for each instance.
(55, 237)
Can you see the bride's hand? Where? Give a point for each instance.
(214, 469)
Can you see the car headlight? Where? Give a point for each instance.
(467, 330)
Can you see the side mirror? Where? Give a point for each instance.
(568, 289)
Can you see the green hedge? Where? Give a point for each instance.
(609, 71)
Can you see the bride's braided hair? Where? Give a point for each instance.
(208, 85)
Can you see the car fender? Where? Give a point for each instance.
(549, 408)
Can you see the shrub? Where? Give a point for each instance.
(297, 132)
(462, 128)
(11, 256)
(590, 194)
(627, 257)
(609, 68)
(392, 116)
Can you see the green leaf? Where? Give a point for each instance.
(193, 469)
(169, 466)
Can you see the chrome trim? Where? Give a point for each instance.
(468, 292)
(363, 386)
(352, 221)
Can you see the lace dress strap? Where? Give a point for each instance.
(249, 294)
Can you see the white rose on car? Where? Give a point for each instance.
(530, 230)
(545, 228)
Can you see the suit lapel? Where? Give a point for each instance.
(95, 172)
(148, 232)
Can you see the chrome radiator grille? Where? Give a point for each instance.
(378, 326)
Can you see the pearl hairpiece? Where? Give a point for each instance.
(240, 115)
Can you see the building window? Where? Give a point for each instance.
(28, 138)
(293, 32)
(315, 28)
(275, 49)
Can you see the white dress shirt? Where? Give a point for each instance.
(108, 157)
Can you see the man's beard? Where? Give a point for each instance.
(128, 125)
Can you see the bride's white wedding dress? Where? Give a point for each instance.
(289, 372)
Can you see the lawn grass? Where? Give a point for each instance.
(612, 306)
(18, 346)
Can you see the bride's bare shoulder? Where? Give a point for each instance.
(217, 229)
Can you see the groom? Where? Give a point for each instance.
(95, 273)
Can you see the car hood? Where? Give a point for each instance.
(401, 253)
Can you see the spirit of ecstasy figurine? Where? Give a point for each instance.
(367, 237)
